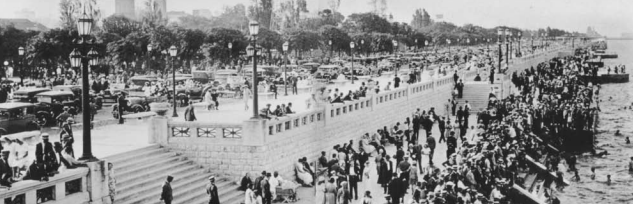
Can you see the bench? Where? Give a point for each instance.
(140, 116)
(227, 94)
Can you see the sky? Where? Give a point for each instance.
(608, 17)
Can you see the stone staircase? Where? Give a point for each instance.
(477, 93)
(141, 173)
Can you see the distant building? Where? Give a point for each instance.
(627, 35)
(174, 16)
(22, 24)
(205, 13)
(125, 8)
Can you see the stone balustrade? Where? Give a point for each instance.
(69, 186)
(257, 145)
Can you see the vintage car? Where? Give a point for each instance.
(17, 117)
(136, 83)
(136, 104)
(27, 95)
(327, 72)
(46, 107)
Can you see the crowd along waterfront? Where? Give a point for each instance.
(616, 114)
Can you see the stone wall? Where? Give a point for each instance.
(275, 145)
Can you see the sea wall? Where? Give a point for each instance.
(275, 145)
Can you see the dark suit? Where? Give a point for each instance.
(45, 155)
(122, 105)
(212, 191)
(6, 173)
(166, 194)
(431, 143)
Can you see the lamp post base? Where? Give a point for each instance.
(88, 158)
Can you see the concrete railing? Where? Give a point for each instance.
(69, 186)
(203, 132)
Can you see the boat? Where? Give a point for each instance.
(606, 55)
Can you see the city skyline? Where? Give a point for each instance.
(563, 14)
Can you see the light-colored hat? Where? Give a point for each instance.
(212, 178)
(44, 135)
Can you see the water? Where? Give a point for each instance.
(612, 118)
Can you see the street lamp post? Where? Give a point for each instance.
(254, 28)
(508, 35)
(84, 27)
(173, 51)
(6, 67)
(330, 45)
(150, 47)
(285, 48)
(519, 44)
(361, 48)
(395, 44)
(230, 54)
(21, 53)
(352, 66)
(416, 44)
(500, 33)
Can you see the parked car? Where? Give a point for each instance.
(136, 104)
(27, 95)
(49, 110)
(17, 117)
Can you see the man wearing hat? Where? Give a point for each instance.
(212, 191)
(6, 173)
(67, 128)
(45, 155)
(62, 117)
(123, 103)
(166, 194)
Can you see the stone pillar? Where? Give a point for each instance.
(254, 132)
(97, 182)
(158, 130)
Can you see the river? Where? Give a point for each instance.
(613, 117)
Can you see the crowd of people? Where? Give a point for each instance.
(18, 163)
(484, 160)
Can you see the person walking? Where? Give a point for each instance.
(212, 191)
(246, 94)
(294, 82)
(189, 112)
(166, 194)
(122, 104)
(431, 143)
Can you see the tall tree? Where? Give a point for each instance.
(152, 16)
(119, 25)
(417, 19)
(68, 10)
(263, 12)
(426, 19)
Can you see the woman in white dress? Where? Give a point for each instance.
(249, 196)
(20, 155)
(246, 94)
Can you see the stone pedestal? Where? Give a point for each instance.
(97, 182)
(498, 78)
(158, 130)
(254, 132)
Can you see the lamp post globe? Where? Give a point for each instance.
(84, 25)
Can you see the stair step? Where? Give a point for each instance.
(134, 178)
(117, 158)
(134, 159)
(147, 162)
(147, 186)
(188, 185)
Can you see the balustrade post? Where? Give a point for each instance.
(254, 132)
